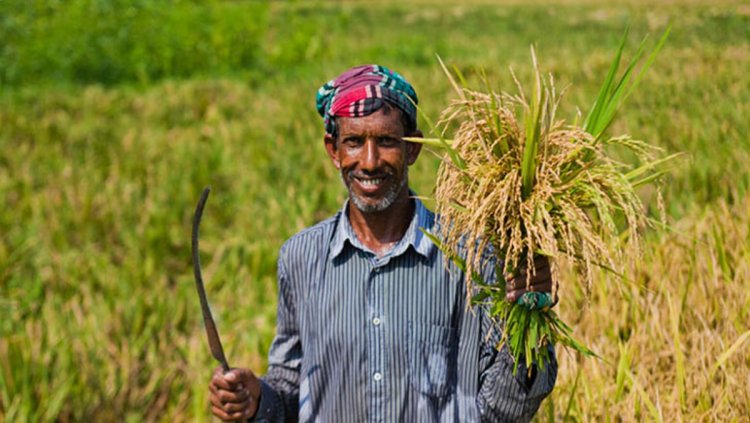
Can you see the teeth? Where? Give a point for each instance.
(371, 182)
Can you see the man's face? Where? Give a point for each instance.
(373, 158)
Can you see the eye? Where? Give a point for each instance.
(352, 141)
(388, 141)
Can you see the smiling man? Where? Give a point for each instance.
(371, 326)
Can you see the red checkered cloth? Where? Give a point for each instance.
(361, 90)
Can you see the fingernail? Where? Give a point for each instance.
(231, 377)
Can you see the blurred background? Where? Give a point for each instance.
(114, 114)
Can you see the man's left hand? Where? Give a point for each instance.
(541, 281)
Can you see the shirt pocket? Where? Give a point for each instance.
(432, 352)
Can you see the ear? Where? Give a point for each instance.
(332, 150)
(413, 148)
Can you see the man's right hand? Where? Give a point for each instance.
(234, 395)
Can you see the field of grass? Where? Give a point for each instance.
(108, 133)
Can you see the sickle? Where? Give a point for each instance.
(213, 335)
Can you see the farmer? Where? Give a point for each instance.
(371, 326)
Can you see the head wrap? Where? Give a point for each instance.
(361, 91)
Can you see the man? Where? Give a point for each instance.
(371, 325)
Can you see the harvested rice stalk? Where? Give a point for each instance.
(519, 182)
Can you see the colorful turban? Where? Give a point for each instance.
(361, 90)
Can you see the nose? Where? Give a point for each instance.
(370, 156)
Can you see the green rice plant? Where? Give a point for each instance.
(519, 182)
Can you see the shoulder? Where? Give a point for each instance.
(308, 242)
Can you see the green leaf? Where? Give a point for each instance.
(500, 147)
(456, 87)
(454, 205)
(532, 123)
(439, 143)
(592, 120)
(442, 144)
(457, 260)
(480, 296)
(612, 95)
(640, 170)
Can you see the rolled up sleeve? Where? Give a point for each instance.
(505, 396)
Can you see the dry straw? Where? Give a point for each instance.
(518, 182)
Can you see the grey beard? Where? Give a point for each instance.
(387, 201)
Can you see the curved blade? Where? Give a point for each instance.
(213, 335)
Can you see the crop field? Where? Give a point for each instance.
(115, 114)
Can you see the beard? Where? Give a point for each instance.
(384, 202)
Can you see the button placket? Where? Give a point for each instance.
(375, 337)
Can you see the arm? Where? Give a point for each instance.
(239, 395)
(279, 400)
(503, 395)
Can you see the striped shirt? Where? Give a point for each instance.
(362, 337)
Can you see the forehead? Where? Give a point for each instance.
(381, 122)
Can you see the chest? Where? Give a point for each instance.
(358, 294)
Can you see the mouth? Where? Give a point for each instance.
(370, 184)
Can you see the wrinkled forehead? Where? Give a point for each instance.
(384, 122)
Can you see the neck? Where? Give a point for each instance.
(379, 231)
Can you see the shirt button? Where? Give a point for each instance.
(376, 321)
(378, 377)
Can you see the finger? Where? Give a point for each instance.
(233, 396)
(512, 296)
(214, 394)
(247, 380)
(220, 413)
(542, 285)
(234, 407)
(234, 411)
(241, 415)
(520, 281)
(542, 277)
(234, 378)
(215, 401)
(515, 294)
(543, 271)
(241, 378)
(219, 396)
(213, 389)
(515, 281)
(541, 262)
(234, 416)
(230, 381)
(219, 380)
(224, 398)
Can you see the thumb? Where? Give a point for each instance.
(239, 375)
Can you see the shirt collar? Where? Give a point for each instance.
(422, 218)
